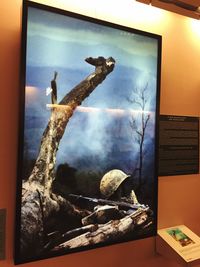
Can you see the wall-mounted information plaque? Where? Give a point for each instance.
(178, 145)
(2, 233)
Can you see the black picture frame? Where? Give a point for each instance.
(101, 82)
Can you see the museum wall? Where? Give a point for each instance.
(178, 196)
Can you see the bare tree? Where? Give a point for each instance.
(139, 99)
(38, 201)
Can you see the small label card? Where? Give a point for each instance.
(182, 240)
(2, 233)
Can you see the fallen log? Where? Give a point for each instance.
(57, 238)
(108, 232)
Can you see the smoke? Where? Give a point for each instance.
(87, 137)
(98, 135)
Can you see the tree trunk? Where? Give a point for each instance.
(38, 201)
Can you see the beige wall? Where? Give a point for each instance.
(178, 197)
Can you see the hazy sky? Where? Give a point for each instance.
(57, 42)
(65, 35)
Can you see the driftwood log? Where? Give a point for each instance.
(38, 201)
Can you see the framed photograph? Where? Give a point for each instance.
(87, 172)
